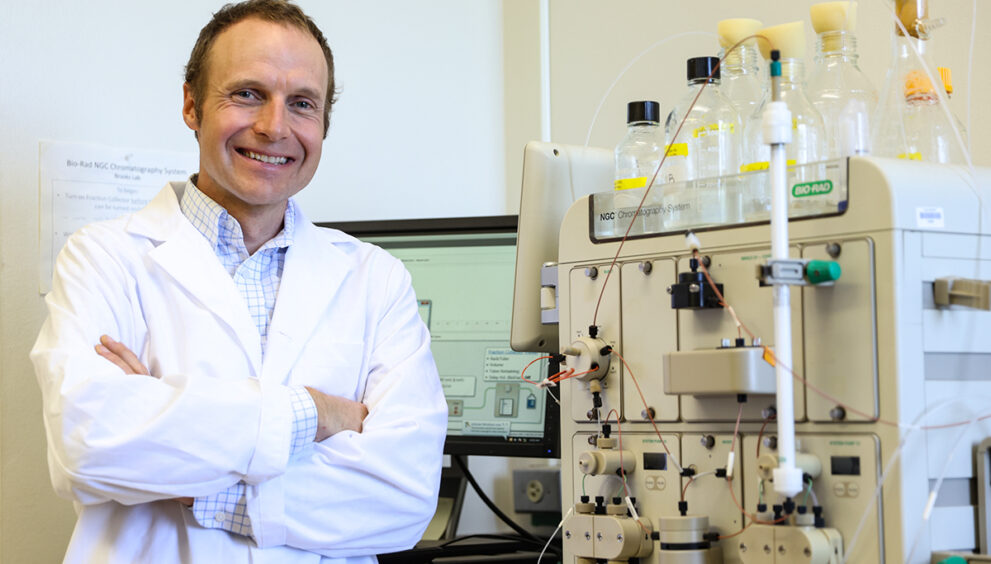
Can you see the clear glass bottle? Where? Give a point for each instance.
(928, 134)
(912, 122)
(842, 94)
(808, 142)
(741, 79)
(637, 156)
(707, 146)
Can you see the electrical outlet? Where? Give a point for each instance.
(537, 490)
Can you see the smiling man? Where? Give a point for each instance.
(261, 389)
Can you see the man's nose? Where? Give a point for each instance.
(273, 120)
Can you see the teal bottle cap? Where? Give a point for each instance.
(819, 271)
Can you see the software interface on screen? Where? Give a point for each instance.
(464, 284)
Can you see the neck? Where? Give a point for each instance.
(259, 223)
(258, 226)
(836, 44)
(792, 72)
(742, 60)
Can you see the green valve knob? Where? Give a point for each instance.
(819, 271)
(954, 560)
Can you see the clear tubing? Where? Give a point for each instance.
(554, 534)
(909, 431)
(595, 116)
(935, 491)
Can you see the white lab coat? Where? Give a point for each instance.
(121, 446)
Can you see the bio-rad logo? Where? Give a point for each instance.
(817, 188)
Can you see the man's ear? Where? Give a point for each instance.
(189, 108)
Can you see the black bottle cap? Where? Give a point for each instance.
(701, 67)
(643, 110)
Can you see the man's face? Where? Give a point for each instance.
(261, 124)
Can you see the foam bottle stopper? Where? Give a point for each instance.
(734, 30)
(787, 38)
(833, 16)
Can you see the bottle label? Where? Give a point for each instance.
(910, 156)
(676, 150)
(630, 183)
(713, 128)
(761, 165)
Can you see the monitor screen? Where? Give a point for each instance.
(463, 271)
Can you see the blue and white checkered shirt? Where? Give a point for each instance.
(257, 278)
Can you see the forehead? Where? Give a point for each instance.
(267, 52)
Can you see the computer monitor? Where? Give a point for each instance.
(463, 271)
(554, 177)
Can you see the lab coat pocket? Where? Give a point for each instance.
(333, 367)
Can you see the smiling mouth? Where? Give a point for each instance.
(264, 158)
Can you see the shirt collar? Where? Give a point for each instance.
(221, 229)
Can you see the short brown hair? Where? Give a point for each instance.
(276, 11)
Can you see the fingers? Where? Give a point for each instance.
(105, 353)
(120, 355)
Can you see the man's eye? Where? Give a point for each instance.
(245, 94)
(304, 105)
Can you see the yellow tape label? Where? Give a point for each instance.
(762, 165)
(911, 156)
(768, 356)
(630, 183)
(713, 128)
(677, 150)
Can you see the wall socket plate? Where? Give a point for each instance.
(537, 490)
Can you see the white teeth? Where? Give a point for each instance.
(266, 159)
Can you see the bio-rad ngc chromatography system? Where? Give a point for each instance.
(670, 440)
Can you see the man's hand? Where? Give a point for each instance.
(336, 414)
(120, 355)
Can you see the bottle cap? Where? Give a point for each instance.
(643, 110)
(833, 16)
(787, 38)
(701, 67)
(916, 82)
(733, 30)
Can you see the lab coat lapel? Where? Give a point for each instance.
(188, 259)
(314, 270)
